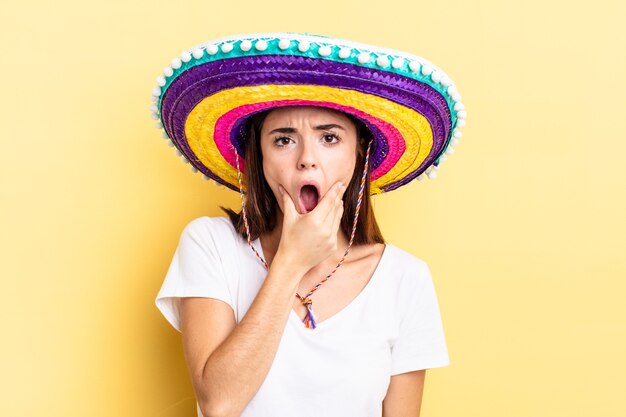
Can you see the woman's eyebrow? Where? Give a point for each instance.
(329, 126)
(284, 130)
(294, 130)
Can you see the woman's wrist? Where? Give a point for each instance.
(288, 267)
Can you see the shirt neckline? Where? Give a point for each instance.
(293, 316)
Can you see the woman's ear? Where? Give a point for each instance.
(362, 146)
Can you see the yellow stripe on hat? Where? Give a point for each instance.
(413, 126)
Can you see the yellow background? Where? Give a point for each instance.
(524, 230)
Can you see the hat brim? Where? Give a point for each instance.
(204, 108)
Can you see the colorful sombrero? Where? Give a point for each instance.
(205, 96)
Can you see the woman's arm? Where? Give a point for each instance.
(229, 362)
(404, 395)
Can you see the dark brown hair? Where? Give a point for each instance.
(261, 204)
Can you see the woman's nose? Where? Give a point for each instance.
(308, 158)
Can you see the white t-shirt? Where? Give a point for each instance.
(341, 368)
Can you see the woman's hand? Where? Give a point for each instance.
(308, 239)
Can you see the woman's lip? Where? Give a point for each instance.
(297, 203)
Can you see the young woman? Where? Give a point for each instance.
(295, 305)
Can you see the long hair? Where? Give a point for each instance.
(261, 204)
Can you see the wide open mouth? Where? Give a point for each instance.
(309, 197)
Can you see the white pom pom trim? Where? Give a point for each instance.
(178, 153)
(414, 66)
(364, 57)
(303, 46)
(426, 70)
(435, 76)
(156, 91)
(261, 45)
(227, 47)
(397, 63)
(382, 61)
(168, 71)
(197, 53)
(245, 45)
(176, 63)
(170, 143)
(324, 50)
(460, 123)
(185, 56)
(212, 49)
(284, 44)
(344, 53)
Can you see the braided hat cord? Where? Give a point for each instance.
(309, 319)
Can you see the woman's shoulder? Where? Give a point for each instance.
(407, 268)
(206, 223)
(210, 228)
(402, 258)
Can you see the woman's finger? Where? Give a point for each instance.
(337, 214)
(289, 209)
(325, 206)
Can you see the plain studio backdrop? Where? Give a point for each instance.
(524, 228)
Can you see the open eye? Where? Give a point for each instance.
(330, 138)
(282, 140)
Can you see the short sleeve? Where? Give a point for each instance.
(196, 270)
(421, 342)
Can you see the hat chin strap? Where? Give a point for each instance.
(310, 319)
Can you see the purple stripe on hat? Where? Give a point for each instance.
(193, 85)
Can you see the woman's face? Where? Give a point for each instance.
(307, 150)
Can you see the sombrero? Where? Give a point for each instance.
(204, 97)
